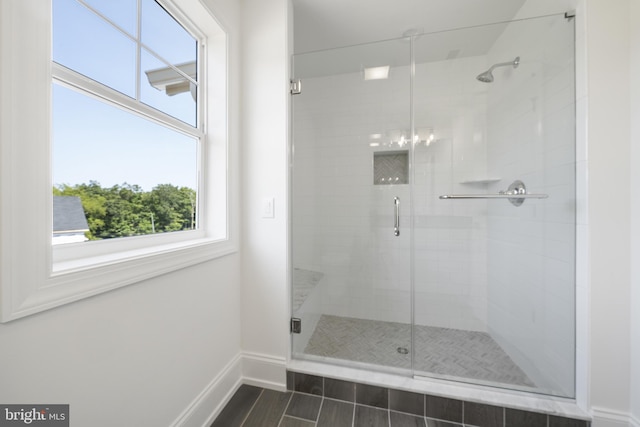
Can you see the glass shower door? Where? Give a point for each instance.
(494, 275)
(350, 204)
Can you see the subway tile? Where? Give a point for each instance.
(372, 396)
(268, 410)
(238, 407)
(304, 406)
(481, 415)
(310, 384)
(335, 413)
(399, 419)
(443, 408)
(366, 416)
(555, 421)
(341, 390)
(516, 418)
(405, 401)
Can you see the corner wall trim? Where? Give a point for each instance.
(215, 395)
(264, 371)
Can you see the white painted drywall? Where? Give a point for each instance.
(634, 21)
(265, 61)
(609, 220)
(139, 355)
(142, 354)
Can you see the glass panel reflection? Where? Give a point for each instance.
(122, 12)
(165, 36)
(85, 43)
(168, 90)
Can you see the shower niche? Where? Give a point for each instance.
(476, 289)
(390, 167)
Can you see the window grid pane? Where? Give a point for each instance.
(87, 43)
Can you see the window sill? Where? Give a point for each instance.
(178, 251)
(76, 280)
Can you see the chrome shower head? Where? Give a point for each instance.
(487, 76)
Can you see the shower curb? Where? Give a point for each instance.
(426, 405)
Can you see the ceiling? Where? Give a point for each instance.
(324, 24)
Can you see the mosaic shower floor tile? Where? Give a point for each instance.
(442, 351)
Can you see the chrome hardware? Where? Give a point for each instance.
(396, 226)
(296, 325)
(516, 193)
(295, 87)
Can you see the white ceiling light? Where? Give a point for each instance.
(376, 73)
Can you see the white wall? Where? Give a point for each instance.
(609, 220)
(146, 354)
(634, 19)
(139, 355)
(265, 94)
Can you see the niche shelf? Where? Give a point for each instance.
(481, 181)
(390, 167)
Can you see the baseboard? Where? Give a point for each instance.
(608, 418)
(264, 371)
(246, 368)
(210, 402)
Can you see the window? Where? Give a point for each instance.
(134, 168)
(121, 105)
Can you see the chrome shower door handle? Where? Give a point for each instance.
(396, 225)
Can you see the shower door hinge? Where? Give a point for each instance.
(296, 325)
(295, 87)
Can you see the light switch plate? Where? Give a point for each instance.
(268, 208)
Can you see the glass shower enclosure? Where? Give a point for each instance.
(433, 205)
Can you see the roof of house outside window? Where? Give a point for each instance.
(68, 215)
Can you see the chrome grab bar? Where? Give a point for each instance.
(516, 193)
(396, 226)
(503, 195)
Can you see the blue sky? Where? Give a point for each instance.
(95, 141)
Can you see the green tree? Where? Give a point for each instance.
(172, 207)
(127, 210)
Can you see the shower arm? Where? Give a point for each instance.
(504, 64)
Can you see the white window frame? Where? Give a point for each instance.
(34, 277)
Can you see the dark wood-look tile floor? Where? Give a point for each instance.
(256, 407)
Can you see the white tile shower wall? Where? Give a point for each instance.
(343, 224)
(450, 236)
(531, 137)
(365, 266)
